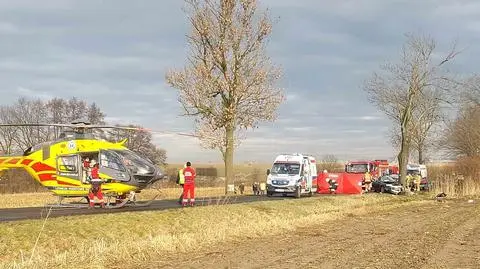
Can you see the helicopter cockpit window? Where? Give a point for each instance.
(135, 163)
(110, 160)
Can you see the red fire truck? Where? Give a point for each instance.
(376, 167)
(351, 181)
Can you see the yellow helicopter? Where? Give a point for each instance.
(58, 165)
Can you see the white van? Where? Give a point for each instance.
(420, 168)
(292, 174)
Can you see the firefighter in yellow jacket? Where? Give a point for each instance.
(181, 181)
(367, 177)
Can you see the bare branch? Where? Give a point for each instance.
(229, 83)
(410, 93)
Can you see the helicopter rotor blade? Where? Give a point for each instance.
(142, 129)
(112, 127)
(85, 126)
(35, 124)
(173, 133)
(88, 126)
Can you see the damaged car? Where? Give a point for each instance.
(387, 184)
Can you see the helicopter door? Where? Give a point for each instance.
(69, 166)
(111, 164)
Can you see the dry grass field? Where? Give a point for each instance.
(352, 231)
(135, 240)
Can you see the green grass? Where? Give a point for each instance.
(131, 240)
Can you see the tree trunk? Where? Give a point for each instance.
(403, 158)
(420, 154)
(229, 156)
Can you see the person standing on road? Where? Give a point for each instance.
(181, 181)
(241, 188)
(417, 179)
(263, 187)
(409, 180)
(189, 185)
(368, 181)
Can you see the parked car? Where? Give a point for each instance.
(387, 184)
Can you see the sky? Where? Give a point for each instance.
(116, 53)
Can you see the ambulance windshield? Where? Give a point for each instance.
(286, 168)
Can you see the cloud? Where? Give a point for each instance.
(369, 118)
(28, 93)
(355, 131)
(117, 56)
(8, 28)
(455, 9)
(299, 129)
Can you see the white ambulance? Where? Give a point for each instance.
(292, 174)
(420, 168)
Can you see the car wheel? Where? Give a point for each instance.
(382, 189)
(269, 193)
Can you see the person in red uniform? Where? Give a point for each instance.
(189, 185)
(86, 170)
(96, 189)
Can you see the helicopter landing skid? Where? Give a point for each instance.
(60, 204)
(69, 205)
(117, 205)
(131, 201)
(145, 203)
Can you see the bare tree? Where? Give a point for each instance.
(427, 112)
(215, 138)
(76, 109)
(7, 134)
(329, 162)
(95, 114)
(29, 111)
(229, 82)
(463, 134)
(471, 93)
(56, 108)
(400, 90)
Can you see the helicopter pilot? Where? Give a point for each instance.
(96, 189)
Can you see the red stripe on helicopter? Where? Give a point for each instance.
(39, 167)
(26, 162)
(46, 177)
(13, 161)
(66, 183)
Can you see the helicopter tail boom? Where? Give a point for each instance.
(40, 171)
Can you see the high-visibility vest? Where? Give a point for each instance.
(181, 177)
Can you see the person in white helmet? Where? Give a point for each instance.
(96, 188)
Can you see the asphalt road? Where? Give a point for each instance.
(15, 214)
